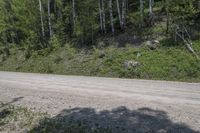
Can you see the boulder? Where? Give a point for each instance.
(152, 45)
(102, 54)
(131, 64)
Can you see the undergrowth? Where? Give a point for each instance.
(165, 63)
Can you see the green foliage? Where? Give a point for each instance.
(24, 48)
(182, 10)
(20, 20)
(166, 63)
(54, 43)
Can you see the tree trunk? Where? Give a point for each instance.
(119, 13)
(141, 13)
(127, 5)
(49, 17)
(100, 16)
(199, 4)
(111, 16)
(74, 14)
(104, 17)
(123, 13)
(150, 7)
(151, 14)
(167, 12)
(41, 19)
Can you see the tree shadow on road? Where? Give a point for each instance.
(119, 120)
(11, 102)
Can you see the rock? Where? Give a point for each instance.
(156, 42)
(152, 44)
(102, 54)
(131, 64)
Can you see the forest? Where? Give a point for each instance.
(151, 39)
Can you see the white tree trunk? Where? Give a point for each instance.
(104, 16)
(100, 16)
(123, 13)
(41, 18)
(119, 13)
(111, 16)
(150, 7)
(49, 17)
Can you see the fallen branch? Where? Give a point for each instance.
(187, 42)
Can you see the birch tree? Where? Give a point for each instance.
(49, 19)
(119, 13)
(150, 7)
(100, 16)
(123, 13)
(41, 19)
(104, 16)
(111, 16)
(141, 13)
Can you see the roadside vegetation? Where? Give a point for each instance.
(18, 119)
(164, 63)
(152, 39)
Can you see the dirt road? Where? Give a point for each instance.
(174, 103)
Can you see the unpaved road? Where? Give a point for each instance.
(177, 103)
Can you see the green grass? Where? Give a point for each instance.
(165, 63)
(18, 119)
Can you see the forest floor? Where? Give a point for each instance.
(78, 104)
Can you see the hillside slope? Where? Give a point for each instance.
(163, 63)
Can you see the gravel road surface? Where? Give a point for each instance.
(158, 105)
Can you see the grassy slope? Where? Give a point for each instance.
(165, 63)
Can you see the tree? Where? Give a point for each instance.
(123, 13)
(104, 16)
(119, 14)
(100, 16)
(34, 24)
(41, 19)
(150, 7)
(74, 13)
(141, 13)
(111, 16)
(49, 19)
